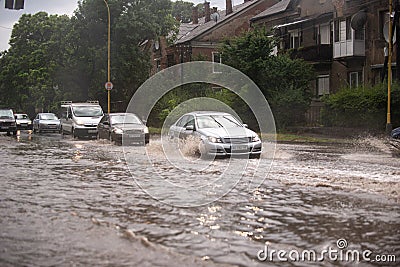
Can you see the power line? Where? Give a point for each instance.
(5, 27)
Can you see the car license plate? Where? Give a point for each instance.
(133, 135)
(4, 127)
(92, 131)
(239, 148)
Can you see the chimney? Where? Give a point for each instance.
(207, 11)
(228, 7)
(195, 15)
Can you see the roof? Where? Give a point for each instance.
(189, 31)
(275, 9)
(204, 113)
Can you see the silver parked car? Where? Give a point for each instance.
(23, 121)
(221, 134)
(46, 122)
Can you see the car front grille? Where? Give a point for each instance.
(240, 140)
(138, 131)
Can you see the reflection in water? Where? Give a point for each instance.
(58, 193)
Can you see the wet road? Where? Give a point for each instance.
(71, 202)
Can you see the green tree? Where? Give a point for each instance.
(283, 81)
(182, 10)
(27, 74)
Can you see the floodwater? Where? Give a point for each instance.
(72, 202)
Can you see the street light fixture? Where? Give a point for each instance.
(108, 84)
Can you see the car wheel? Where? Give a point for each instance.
(255, 156)
(73, 133)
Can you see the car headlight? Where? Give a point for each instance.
(213, 139)
(146, 130)
(79, 122)
(255, 138)
(118, 131)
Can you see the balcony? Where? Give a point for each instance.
(316, 53)
(349, 48)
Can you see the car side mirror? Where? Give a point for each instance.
(189, 128)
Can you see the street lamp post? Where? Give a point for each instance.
(108, 56)
(388, 121)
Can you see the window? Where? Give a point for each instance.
(294, 38)
(337, 31)
(170, 60)
(216, 58)
(359, 34)
(182, 121)
(158, 65)
(323, 85)
(355, 79)
(348, 28)
(322, 33)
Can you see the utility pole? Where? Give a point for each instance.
(388, 121)
(108, 84)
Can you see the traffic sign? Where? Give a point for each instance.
(109, 86)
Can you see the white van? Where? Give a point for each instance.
(81, 119)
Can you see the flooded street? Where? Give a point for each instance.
(72, 202)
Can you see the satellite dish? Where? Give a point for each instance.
(386, 33)
(358, 20)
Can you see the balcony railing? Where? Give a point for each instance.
(316, 53)
(349, 48)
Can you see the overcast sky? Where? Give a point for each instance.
(9, 17)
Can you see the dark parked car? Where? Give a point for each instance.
(23, 121)
(123, 128)
(7, 122)
(396, 133)
(46, 122)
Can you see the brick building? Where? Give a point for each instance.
(199, 39)
(343, 39)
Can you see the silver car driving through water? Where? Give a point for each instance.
(221, 134)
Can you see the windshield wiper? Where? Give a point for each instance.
(220, 125)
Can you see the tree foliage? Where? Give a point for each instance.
(361, 107)
(53, 58)
(182, 10)
(284, 82)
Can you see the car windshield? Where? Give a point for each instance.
(88, 111)
(125, 118)
(22, 116)
(48, 116)
(217, 121)
(6, 113)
